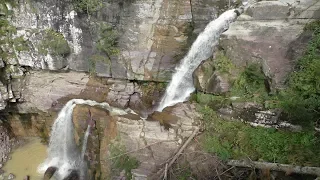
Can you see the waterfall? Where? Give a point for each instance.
(63, 152)
(181, 85)
(84, 144)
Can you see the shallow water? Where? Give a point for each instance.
(26, 159)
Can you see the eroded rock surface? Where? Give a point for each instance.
(207, 79)
(270, 33)
(5, 142)
(150, 143)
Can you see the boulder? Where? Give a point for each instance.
(49, 173)
(207, 78)
(74, 175)
(269, 43)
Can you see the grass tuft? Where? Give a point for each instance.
(234, 139)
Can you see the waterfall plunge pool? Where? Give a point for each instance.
(25, 160)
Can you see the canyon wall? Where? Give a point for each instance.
(56, 50)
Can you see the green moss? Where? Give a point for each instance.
(7, 40)
(108, 40)
(121, 161)
(222, 63)
(250, 85)
(4, 11)
(87, 6)
(312, 26)
(54, 43)
(106, 46)
(97, 58)
(20, 44)
(230, 139)
(301, 100)
(213, 101)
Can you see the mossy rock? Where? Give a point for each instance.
(54, 43)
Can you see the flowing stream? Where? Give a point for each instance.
(85, 141)
(181, 85)
(63, 152)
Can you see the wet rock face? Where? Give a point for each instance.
(30, 125)
(153, 39)
(156, 143)
(141, 97)
(5, 142)
(103, 131)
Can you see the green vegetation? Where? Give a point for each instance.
(8, 41)
(3, 3)
(121, 161)
(223, 64)
(301, 100)
(106, 46)
(87, 6)
(230, 139)
(97, 58)
(312, 26)
(108, 41)
(212, 101)
(20, 44)
(54, 43)
(250, 85)
(181, 173)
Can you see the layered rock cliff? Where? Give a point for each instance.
(149, 39)
(58, 46)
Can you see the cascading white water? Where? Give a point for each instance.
(181, 84)
(85, 141)
(63, 152)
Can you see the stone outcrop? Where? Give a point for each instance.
(49, 173)
(46, 91)
(5, 146)
(270, 33)
(54, 35)
(150, 143)
(149, 44)
(6, 140)
(208, 79)
(153, 36)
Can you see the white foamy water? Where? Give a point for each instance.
(85, 141)
(63, 152)
(181, 84)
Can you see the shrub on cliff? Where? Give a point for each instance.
(87, 6)
(301, 100)
(236, 140)
(54, 43)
